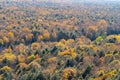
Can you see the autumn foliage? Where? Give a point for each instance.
(48, 41)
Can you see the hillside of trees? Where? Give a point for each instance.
(47, 41)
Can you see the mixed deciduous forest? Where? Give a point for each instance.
(48, 41)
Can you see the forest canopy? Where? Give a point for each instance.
(50, 40)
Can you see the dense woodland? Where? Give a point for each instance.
(47, 41)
